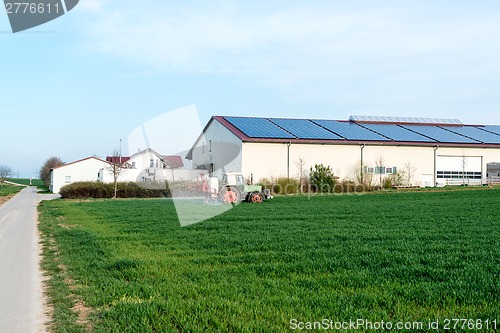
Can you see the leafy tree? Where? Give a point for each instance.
(50, 163)
(5, 172)
(322, 178)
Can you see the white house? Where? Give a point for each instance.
(149, 166)
(433, 151)
(87, 169)
(143, 166)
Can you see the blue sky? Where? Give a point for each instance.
(74, 86)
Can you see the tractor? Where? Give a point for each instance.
(217, 189)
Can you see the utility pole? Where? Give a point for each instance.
(120, 152)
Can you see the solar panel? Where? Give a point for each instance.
(491, 128)
(305, 129)
(397, 133)
(439, 134)
(405, 120)
(350, 131)
(475, 133)
(259, 128)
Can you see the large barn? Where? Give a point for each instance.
(425, 152)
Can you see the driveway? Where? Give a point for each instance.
(21, 292)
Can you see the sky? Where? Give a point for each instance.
(75, 86)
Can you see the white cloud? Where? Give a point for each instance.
(319, 51)
(299, 39)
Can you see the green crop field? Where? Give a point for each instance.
(409, 258)
(6, 190)
(26, 181)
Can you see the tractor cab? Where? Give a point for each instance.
(233, 179)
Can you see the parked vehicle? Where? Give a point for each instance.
(231, 188)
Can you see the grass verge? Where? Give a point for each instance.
(9, 190)
(127, 266)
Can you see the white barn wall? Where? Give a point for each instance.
(269, 160)
(222, 139)
(487, 155)
(265, 160)
(420, 159)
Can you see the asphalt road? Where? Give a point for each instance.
(22, 306)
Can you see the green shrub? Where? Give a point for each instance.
(322, 179)
(281, 185)
(98, 190)
(387, 183)
(286, 186)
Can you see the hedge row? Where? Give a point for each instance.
(81, 190)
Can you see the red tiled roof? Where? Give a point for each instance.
(175, 161)
(116, 159)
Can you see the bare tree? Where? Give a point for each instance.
(115, 168)
(465, 162)
(301, 166)
(409, 172)
(50, 163)
(5, 172)
(361, 177)
(379, 163)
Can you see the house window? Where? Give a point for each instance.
(210, 146)
(370, 170)
(151, 163)
(67, 179)
(133, 165)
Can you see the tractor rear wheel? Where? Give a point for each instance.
(236, 197)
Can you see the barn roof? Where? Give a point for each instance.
(362, 129)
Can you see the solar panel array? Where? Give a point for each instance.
(405, 120)
(439, 134)
(259, 128)
(333, 130)
(492, 129)
(350, 131)
(476, 133)
(397, 133)
(305, 129)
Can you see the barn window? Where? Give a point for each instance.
(459, 175)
